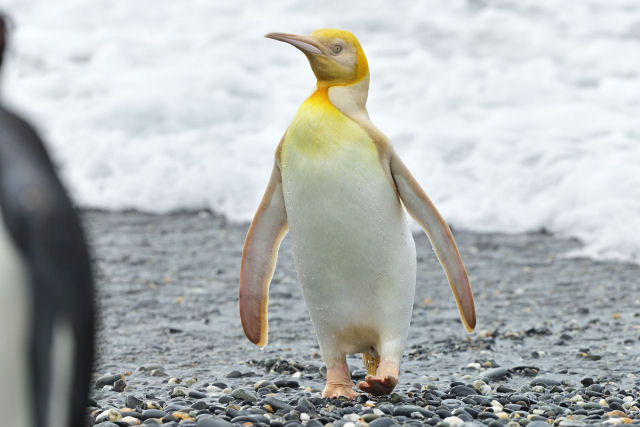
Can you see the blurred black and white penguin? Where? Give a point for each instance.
(46, 286)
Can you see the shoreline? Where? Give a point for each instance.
(167, 296)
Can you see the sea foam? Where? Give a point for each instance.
(514, 115)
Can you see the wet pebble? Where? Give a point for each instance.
(108, 380)
(244, 394)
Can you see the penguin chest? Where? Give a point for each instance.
(352, 247)
(14, 328)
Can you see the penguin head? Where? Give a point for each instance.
(336, 56)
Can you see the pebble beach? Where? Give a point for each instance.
(556, 343)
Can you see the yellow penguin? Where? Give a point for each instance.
(337, 186)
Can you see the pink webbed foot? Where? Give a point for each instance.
(383, 382)
(339, 383)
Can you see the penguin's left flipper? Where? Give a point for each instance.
(47, 232)
(425, 213)
(259, 256)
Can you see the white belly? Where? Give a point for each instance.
(14, 330)
(353, 250)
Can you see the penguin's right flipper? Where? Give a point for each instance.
(425, 213)
(47, 232)
(259, 256)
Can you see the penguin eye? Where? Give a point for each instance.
(336, 49)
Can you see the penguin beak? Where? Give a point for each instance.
(305, 43)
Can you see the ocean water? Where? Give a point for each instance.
(514, 115)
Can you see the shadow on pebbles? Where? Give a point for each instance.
(557, 340)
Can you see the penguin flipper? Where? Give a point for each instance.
(259, 256)
(425, 213)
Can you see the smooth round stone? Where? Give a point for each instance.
(265, 384)
(200, 404)
(496, 374)
(245, 395)
(587, 382)
(452, 403)
(487, 415)
(169, 418)
(211, 421)
(107, 380)
(225, 399)
(287, 383)
(312, 423)
(462, 391)
(263, 391)
(180, 392)
(305, 405)
(382, 422)
(515, 398)
(616, 406)
(407, 410)
(512, 407)
(504, 389)
(546, 382)
(234, 374)
(471, 411)
(463, 416)
(277, 404)
(370, 417)
(395, 398)
(132, 402)
(253, 419)
(538, 424)
(197, 394)
(109, 415)
(119, 385)
(443, 413)
(153, 413)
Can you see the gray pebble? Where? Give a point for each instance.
(407, 410)
(496, 374)
(107, 380)
(278, 404)
(153, 413)
(244, 394)
(462, 391)
(265, 384)
(200, 404)
(382, 422)
(545, 382)
(132, 402)
(119, 385)
(197, 394)
(452, 403)
(234, 374)
(287, 383)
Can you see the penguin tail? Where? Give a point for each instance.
(371, 363)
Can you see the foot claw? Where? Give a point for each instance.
(378, 386)
(334, 391)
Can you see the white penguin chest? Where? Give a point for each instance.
(345, 219)
(14, 329)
